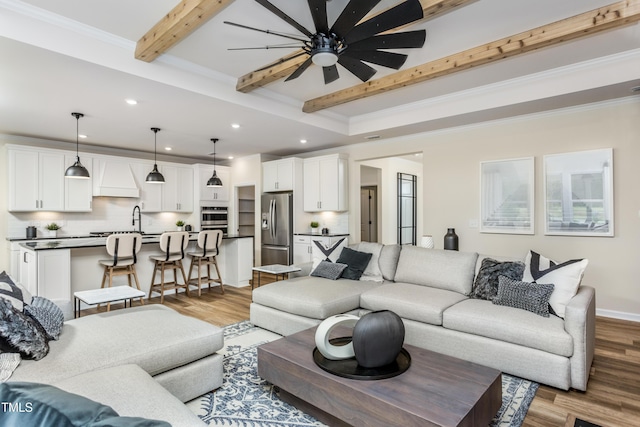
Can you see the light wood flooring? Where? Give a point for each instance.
(612, 398)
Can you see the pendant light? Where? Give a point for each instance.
(214, 181)
(76, 170)
(155, 177)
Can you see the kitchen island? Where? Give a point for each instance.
(56, 268)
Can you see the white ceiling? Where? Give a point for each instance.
(60, 56)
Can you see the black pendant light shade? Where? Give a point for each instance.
(214, 181)
(76, 170)
(155, 177)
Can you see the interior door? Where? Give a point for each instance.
(369, 214)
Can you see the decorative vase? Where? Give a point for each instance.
(377, 338)
(53, 233)
(427, 242)
(315, 230)
(180, 228)
(451, 240)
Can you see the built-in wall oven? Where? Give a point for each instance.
(214, 218)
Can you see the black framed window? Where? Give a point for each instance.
(407, 208)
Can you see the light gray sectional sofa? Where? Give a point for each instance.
(429, 289)
(143, 362)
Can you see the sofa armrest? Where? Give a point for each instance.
(305, 269)
(580, 323)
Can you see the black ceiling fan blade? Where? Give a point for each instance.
(275, 33)
(357, 67)
(404, 40)
(284, 17)
(386, 59)
(402, 14)
(330, 74)
(353, 12)
(318, 10)
(299, 70)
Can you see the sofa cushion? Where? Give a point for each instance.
(372, 272)
(388, 261)
(480, 317)
(565, 277)
(420, 303)
(312, 297)
(47, 314)
(356, 263)
(533, 297)
(124, 336)
(322, 252)
(449, 270)
(130, 391)
(13, 292)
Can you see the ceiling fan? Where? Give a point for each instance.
(346, 42)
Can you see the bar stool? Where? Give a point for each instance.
(123, 248)
(172, 245)
(208, 247)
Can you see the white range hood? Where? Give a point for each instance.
(113, 178)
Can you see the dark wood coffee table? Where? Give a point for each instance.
(437, 390)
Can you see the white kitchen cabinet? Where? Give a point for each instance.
(36, 180)
(303, 246)
(78, 193)
(150, 194)
(325, 184)
(46, 273)
(213, 194)
(177, 190)
(278, 175)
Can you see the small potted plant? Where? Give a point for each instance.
(314, 227)
(180, 225)
(53, 229)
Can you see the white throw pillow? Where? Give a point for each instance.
(565, 277)
(322, 252)
(372, 273)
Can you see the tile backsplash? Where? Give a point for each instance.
(108, 214)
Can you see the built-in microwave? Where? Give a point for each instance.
(214, 218)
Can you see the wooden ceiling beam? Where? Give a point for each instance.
(183, 19)
(284, 67)
(605, 18)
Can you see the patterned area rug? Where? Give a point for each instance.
(246, 400)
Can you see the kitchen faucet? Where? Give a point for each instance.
(133, 220)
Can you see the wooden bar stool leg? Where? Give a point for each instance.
(184, 277)
(190, 270)
(153, 277)
(135, 277)
(162, 283)
(110, 283)
(199, 276)
(209, 273)
(215, 264)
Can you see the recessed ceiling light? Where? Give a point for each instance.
(235, 125)
(131, 101)
(82, 136)
(303, 141)
(168, 148)
(230, 157)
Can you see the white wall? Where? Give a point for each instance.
(450, 195)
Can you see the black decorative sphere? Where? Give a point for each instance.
(377, 338)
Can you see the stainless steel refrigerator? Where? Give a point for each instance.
(277, 228)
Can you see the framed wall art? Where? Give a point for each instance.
(578, 190)
(506, 196)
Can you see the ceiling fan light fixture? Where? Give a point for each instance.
(155, 177)
(325, 59)
(76, 170)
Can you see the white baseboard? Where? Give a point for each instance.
(618, 315)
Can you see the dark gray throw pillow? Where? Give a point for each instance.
(533, 297)
(45, 405)
(486, 284)
(21, 334)
(48, 314)
(356, 262)
(329, 270)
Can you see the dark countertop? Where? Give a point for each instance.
(322, 235)
(95, 242)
